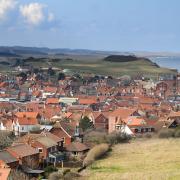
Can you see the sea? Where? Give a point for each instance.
(168, 62)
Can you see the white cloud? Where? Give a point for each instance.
(51, 17)
(33, 13)
(5, 6)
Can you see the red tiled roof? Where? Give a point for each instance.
(52, 101)
(135, 121)
(76, 147)
(27, 121)
(174, 114)
(50, 89)
(87, 101)
(27, 114)
(123, 112)
(22, 150)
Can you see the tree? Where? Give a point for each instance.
(51, 72)
(36, 70)
(6, 139)
(61, 76)
(23, 75)
(85, 123)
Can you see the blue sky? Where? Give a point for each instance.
(123, 25)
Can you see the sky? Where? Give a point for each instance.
(114, 25)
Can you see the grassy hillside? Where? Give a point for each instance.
(154, 159)
(100, 66)
(93, 64)
(113, 68)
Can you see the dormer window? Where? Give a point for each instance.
(40, 150)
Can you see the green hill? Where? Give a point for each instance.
(114, 65)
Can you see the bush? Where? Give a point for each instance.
(95, 137)
(66, 175)
(115, 138)
(148, 135)
(95, 153)
(177, 132)
(166, 133)
(50, 169)
(35, 129)
(55, 176)
(6, 139)
(71, 175)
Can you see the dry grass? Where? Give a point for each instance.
(154, 159)
(95, 153)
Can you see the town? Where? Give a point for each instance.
(49, 125)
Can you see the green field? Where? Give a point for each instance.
(107, 68)
(153, 159)
(96, 65)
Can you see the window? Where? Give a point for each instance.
(22, 128)
(116, 120)
(63, 139)
(40, 150)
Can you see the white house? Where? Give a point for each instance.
(23, 127)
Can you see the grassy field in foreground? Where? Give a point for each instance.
(154, 159)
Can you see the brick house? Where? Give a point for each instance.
(47, 145)
(8, 159)
(27, 155)
(117, 116)
(67, 132)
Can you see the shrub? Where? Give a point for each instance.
(166, 133)
(71, 175)
(148, 135)
(95, 137)
(50, 169)
(55, 176)
(6, 139)
(115, 138)
(95, 153)
(139, 136)
(66, 175)
(177, 132)
(35, 129)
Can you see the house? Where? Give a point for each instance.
(173, 119)
(5, 124)
(67, 131)
(52, 101)
(25, 122)
(49, 91)
(23, 97)
(8, 159)
(100, 121)
(76, 149)
(48, 145)
(26, 155)
(118, 115)
(138, 125)
(68, 100)
(35, 95)
(48, 149)
(5, 173)
(87, 101)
